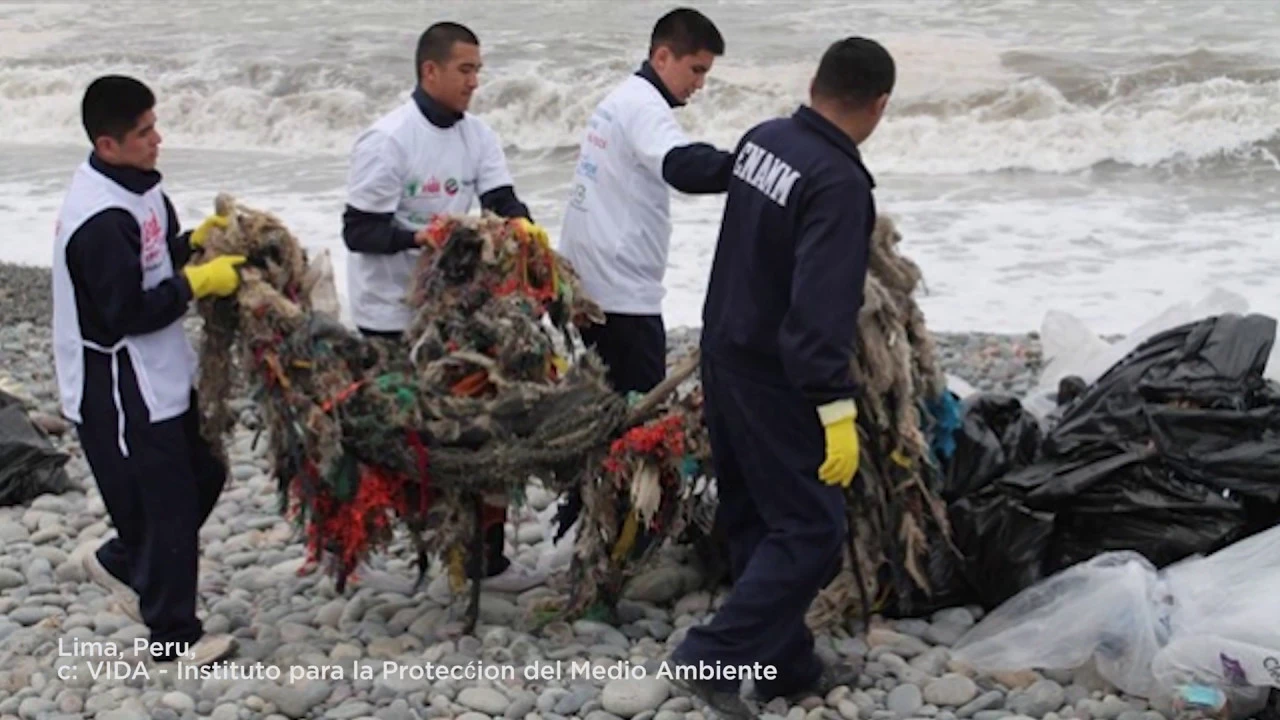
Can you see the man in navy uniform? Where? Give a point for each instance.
(126, 369)
(779, 328)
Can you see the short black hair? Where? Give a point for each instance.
(436, 43)
(854, 72)
(686, 31)
(112, 106)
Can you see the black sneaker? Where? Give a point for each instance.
(832, 677)
(728, 705)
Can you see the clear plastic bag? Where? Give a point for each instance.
(1112, 609)
(320, 286)
(1206, 620)
(1224, 621)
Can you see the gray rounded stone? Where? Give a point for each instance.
(485, 700)
(904, 700)
(630, 697)
(950, 690)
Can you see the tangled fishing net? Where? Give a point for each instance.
(365, 435)
(650, 486)
(657, 484)
(368, 437)
(897, 517)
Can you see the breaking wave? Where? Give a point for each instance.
(1043, 113)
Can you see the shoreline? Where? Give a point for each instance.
(988, 361)
(25, 296)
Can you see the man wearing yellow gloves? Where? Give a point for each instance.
(426, 157)
(779, 328)
(126, 369)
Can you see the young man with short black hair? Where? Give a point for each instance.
(617, 226)
(126, 368)
(428, 156)
(779, 328)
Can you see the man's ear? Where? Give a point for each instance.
(105, 145)
(882, 103)
(661, 57)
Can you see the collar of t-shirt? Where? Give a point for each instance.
(810, 118)
(647, 72)
(433, 111)
(133, 179)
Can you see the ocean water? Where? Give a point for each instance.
(1102, 158)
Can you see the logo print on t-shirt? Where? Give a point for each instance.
(415, 188)
(152, 242)
(451, 186)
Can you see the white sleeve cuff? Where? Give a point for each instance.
(836, 411)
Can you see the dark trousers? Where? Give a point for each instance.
(785, 528)
(634, 347)
(634, 350)
(157, 497)
(494, 520)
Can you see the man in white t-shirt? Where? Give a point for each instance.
(428, 156)
(617, 225)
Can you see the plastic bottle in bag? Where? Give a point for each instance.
(1199, 701)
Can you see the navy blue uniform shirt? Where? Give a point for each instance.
(791, 260)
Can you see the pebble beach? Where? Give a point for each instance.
(359, 654)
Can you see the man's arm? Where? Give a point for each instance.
(820, 329)
(493, 180)
(698, 169)
(504, 202)
(374, 233)
(374, 183)
(690, 167)
(105, 264)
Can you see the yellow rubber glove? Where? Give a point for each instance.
(218, 277)
(201, 233)
(838, 419)
(535, 231)
(561, 365)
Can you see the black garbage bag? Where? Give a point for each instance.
(29, 464)
(996, 437)
(1004, 543)
(1212, 365)
(1174, 451)
(1163, 518)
